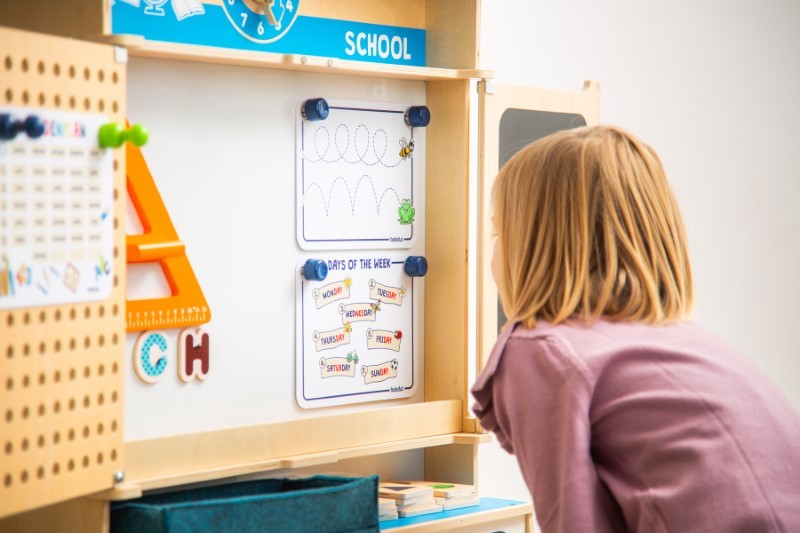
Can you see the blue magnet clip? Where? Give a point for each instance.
(315, 270)
(417, 116)
(416, 266)
(9, 129)
(315, 109)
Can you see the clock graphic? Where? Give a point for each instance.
(261, 21)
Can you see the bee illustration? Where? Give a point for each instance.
(406, 148)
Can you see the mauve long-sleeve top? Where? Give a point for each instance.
(630, 427)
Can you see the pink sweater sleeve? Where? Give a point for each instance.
(530, 385)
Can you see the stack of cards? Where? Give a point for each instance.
(453, 495)
(387, 510)
(411, 499)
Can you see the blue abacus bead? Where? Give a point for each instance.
(315, 109)
(416, 266)
(315, 270)
(34, 126)
(7, 129)
(417, 116)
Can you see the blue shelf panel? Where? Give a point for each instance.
(487, 504)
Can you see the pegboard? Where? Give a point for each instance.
(61, 371)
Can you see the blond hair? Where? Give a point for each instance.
(588, 227)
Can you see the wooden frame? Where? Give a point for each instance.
(441, 425)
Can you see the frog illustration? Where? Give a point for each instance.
(406, 213)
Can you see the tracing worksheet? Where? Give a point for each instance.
(356, 178)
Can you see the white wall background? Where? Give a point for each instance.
(713, 86)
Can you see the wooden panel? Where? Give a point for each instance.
(457, 463)
(446, 241)
(75, 18)
(408, 13)
(62, 376)
(453, 33)
(172, 456)
(75, 516)
(491, 106)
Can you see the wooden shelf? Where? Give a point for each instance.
(137, 46)
(490, 510)
(135, 488)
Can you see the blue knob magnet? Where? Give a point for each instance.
(416, 266)
(315, 109)
(417, 116)
(315, 270)
(9, 129)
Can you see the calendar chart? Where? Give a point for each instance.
(56, 219)
(355, 336)
(357, 178)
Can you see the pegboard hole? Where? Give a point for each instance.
(57, 346)
(100, 428)
(86, 432)
(42, 410)
(114, 339)
(71, 465)
(42, 99)
(24, 476)
(114, 397)
(26, 381)
(9, 95)
(56, 469)
(101, 340)
(10, 384)
(100, 458)
(71, 71)
(26, 97)
(85, 461)
(57, 376)
(87, 402)
(116, 167)
(72, 344)
(40, 67)
(7, 480)
(72, 374)
(101, 105)
(26, 318)
(114, 76)
(101, 399)
(114, 366)
(24, 65)
(87, 372)
(101, 311)
(40, 441)
(56, 437)
(101, 75)
(72, 314)
(10, 352)
(87, 74)
(71, 405)
(56, 69)
(113, 426)
(42, 348)
(24, 445)
(87, 104)
(72, 102)
(57, 315)
(10, 320)
(87, 342)
(9, 63)
(9, 416)
(57, 407)
(113, 455)
(114, 106)
(57, 100)
(26, 412)
(9, 448)
(40, 472)
(115, 310)
(71, 434)
(42, 379)
(116, 279)
(101, 369)
(87, 313)
(26, 350)
(42, 317)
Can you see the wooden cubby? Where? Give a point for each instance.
(441, 425)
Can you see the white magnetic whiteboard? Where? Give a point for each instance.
(222, 153)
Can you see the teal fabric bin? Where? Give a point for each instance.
(319, 504)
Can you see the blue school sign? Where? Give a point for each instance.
(280, 28)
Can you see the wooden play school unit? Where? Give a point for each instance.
(236, 239)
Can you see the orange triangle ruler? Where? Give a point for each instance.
(159, 243)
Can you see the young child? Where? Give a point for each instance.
(622, 415)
